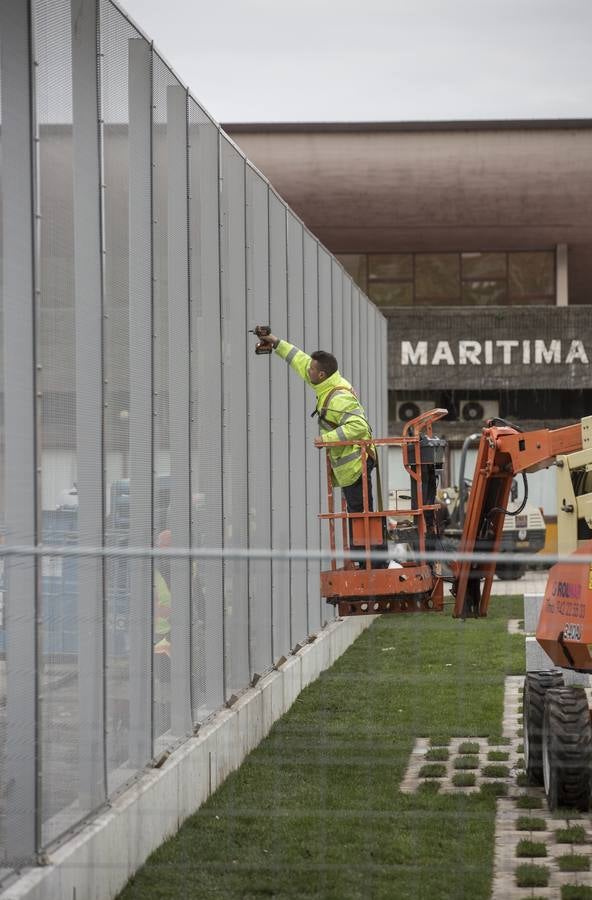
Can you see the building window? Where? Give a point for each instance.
(532, 278)
(452, 279)
(480, 266)
(437, 279)
(484, 293)
(391, 294)
(390, 267)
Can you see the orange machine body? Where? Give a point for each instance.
(564, 629)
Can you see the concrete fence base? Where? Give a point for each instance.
(98, 861)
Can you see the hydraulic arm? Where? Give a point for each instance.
(504, 452)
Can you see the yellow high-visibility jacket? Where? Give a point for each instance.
(343, 418)
(162, 605)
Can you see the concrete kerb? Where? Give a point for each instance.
(97, 861)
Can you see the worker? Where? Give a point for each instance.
(341, 418)
(162, 599)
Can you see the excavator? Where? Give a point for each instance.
(557, 717)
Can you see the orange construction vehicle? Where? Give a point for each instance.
(557, 719)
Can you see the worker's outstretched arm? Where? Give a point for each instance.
(298, 359)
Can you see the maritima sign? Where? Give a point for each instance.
(513, 347)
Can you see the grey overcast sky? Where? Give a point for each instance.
(388, 60)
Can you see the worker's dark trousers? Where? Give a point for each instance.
(354, 501)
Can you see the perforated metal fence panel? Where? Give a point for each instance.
(325, 343)
(59, 704)
(313, 457)
(297, 418)
(3, 592)
(280, 439)
(234, 419)
(163, 79)
(120, 311)
(206, 413)
(135, 414)
(259, 455)
(346, 318)
(355, 331)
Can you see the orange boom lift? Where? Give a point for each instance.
(359, 589)
(557, 718)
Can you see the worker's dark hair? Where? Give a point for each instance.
(326, 361)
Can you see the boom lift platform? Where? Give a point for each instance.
(359, 589)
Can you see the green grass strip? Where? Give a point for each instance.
(495, 770)
(531, 848)
(464, 779)
(576, 892)
(574, 834)
(530, 875)
(498, 756)
(494, 789)
(437, 754)
(573, 862)
(315, 810)
(469, 747)
(433, 770)
(466, 762)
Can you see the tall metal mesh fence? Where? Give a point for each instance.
(157, 246)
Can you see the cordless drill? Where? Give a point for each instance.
(262, 331)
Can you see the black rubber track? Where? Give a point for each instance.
(568, 734)
(536, 685)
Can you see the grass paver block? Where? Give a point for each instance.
(528, 801)
(439, 741)
(531, 848)
(464, 779)
(576, 892)
(522, 779)
(520, 749)
(531, 875)
(469, 747)
(433, 770)
(437, 754)
(530, 823)
(573, 862)
(574, 834)
(466, 762)
(498, 756)
(495, 771)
